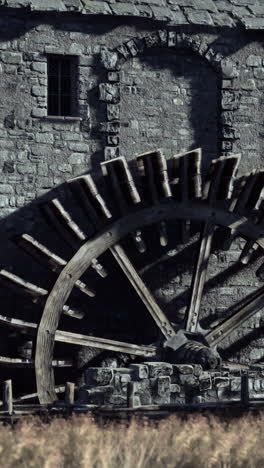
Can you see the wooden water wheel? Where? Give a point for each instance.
(148, 192)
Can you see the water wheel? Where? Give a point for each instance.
(153, 195)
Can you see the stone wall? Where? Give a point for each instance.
(209, 83)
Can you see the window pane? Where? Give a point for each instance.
(62, 89)
(53, 108)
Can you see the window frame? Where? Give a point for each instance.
(73, 94)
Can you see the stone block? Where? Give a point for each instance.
(98, 376)
(38, 112)
(79, 147)
(157, 369)
(140, 371)
(12, 58)
(109, 59)
(39, 67)
(254, 61)
(199, 17)
(253, 23)
(111, 152)
(109, 127)
(109, 92)
(259, 73)
(124, 9)
(229, 100)
(96, 7)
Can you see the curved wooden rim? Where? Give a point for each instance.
(194, 211)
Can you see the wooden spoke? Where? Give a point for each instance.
(49, 259)
(69, 230)
(142, 291)
(36, 293)
(199, 277)
(254, 303)
(82, 340)
(104, 343)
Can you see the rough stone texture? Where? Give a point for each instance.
(168, 100)
(172, 387)
(205, 12)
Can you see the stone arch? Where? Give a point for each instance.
(114, 60)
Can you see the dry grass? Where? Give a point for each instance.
(196, 441)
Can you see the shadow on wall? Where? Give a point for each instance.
(169, 99)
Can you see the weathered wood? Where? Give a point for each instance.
(199, 277)
(104, 343)
(152, 167)
(33, 396)
(86, 191)
(122, 182)
(186, 183)
(8, 396)
(219, 183)
(49, 259)
(254, 303)
(69, 393)
(23, 287)
(196, 211)
(153, 170)
(143, 292)
(64, 224)
(125, 191)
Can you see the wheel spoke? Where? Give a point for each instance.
(142, 291)
(83, 340)
(104, 343)
(199, 277)
(254, 303)
(36, 293)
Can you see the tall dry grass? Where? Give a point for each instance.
(196, 441)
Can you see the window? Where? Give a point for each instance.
(62, 85)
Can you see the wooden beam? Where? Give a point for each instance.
(49, 259)
(36, 293)
(199, 277)
(104, 343)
